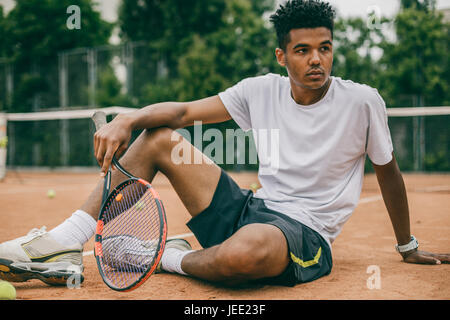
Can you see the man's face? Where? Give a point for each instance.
(308, 57)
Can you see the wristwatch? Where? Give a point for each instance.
(413, 244)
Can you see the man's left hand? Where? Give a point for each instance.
(423, 257)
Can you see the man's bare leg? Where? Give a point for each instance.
(253, 252)
(152, 152)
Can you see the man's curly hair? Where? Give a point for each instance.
(296, 14)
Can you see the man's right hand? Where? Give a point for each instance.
(115, 136)
(112, 139)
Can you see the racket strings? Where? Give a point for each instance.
(128, 261)
(131, 234)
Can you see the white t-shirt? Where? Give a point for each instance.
(312, 167)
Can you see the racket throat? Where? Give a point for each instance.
(106, 187)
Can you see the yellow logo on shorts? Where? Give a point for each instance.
(309, 263)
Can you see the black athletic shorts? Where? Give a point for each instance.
(232, 208)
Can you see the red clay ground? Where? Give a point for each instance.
(366, 240)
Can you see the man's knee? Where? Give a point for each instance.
(157, 142)
(159, 138)
(251, 257)
(242, 259)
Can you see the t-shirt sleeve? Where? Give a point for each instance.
(379, 142)
(236, 102)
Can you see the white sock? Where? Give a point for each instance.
(79, 228)
(171, 260)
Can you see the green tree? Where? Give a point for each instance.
(35, 31)
(225, 37)
(418, 4)
(260, 7)
(168, 29)
(246, 43)
(198, 72)
(206, 48)
(2, 32)
(416, 68)
(168, 26)
(3, 95)
(355, 48)
(109, 92)
(416, 64)
(243, 47)
(170, 20)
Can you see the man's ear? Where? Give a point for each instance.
(281, 58)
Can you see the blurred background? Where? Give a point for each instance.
(133, 53)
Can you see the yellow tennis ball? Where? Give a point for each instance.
(7, 291)
(3, 142)
(139, 205)
(254, 186)
(51, 193)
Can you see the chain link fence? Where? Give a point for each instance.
(110, 75)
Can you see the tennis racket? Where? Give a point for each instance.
(131, 229)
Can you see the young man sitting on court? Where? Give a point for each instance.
(283, 233)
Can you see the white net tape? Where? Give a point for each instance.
(65, 114)
(63, 138)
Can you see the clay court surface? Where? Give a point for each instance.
(366, 240)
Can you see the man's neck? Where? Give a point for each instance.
(306, 96)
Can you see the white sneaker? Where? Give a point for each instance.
(38, 256)
(128, 253)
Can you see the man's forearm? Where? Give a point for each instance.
(166, 114)
(395, 198)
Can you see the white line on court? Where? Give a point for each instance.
(370, 199)
(185, 235)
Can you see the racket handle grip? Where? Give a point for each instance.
(99, 119)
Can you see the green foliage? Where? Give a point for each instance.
(418, 4)
(197, 48)
(217, 46)
(198, 72)
(210, 61)
(28, 86)
(169, 25)
(2, 33)
(37, 29)
(416, 65)
(355, 47)
(412, 71)
(246, 44)
(109, 92)
(169, 20)
(438, 161)
(35, 32)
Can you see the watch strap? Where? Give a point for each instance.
(413, 244)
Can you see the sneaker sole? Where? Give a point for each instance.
(12, 273)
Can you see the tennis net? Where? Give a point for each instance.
(63, 138)
(50, 139)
